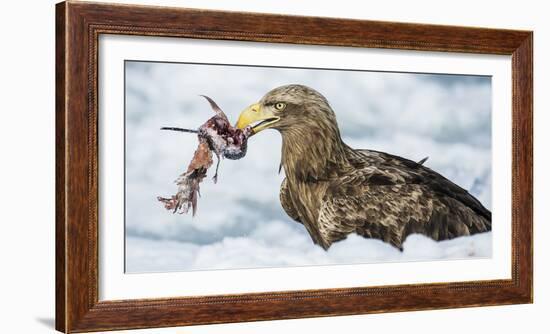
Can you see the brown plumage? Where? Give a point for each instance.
(334, 190)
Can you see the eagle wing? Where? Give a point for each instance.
(389, 197)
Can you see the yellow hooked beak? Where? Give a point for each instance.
(256, 116)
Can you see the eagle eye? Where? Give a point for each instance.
(280, 106)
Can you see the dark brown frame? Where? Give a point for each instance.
(78, 25)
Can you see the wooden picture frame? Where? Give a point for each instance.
(78, 27)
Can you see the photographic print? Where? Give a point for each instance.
(232, 166)
(315, 166)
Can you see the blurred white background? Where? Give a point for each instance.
(27, 170)
(240, 223)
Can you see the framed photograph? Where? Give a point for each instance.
(224, 166)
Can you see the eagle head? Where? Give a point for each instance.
(288, 108)
(307, 123)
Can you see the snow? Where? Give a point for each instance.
(276, 245)
(239, 222)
